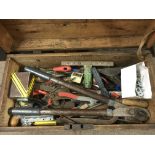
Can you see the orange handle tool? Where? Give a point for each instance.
(66, 94)
(62, 69)
(36, 92)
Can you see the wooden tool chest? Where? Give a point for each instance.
(45, 43)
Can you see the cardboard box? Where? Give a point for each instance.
(131, 88)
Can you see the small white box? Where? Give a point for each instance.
(76, 77)
(129, 84)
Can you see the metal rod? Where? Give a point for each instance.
(88, 121)
(58, 112)
(76, 88)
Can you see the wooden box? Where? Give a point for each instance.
(45, 43)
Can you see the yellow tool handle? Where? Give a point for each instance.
(45, 123)
(31, 86)
(132, 102)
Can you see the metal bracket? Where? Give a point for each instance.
(78, 126)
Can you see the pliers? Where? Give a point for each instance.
(69, 95)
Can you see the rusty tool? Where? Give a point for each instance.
(63, 120)
(76, 88)
(58, 112)
(130, 113)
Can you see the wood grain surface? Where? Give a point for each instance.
(2, 66)
(75, 34)
(128, 129)
(6, 40)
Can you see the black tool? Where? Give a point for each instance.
(99, 82)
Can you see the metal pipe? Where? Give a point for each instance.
(58, 112)
(76, 88)
(87, 121)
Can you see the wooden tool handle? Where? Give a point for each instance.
(14, 121)
(139, 103)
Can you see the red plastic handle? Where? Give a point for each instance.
(66, 94)
(49, 102)
(62, 69)
(36, 92)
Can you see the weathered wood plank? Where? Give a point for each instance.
(120, 58)
(78, 34)
(2, 66)
(6, 40)
(62, 44)
(151, 39)
(42, 21)
(150, 61)
(5, 102)
(129, 129)
(63, 29)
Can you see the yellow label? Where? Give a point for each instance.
(45, 123)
